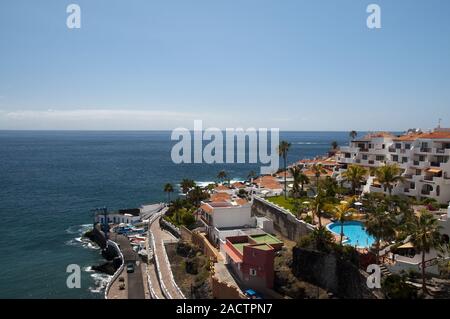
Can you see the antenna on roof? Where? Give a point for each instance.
(439, 123)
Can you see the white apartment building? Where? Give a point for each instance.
(423, 158)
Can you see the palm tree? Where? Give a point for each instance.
(353, 134)
(318, 170)
(168, 188)
(322, 238)
(318, 205)
(343, 212)
(355, 175)
(303, 179)
(334, 145)
(186, 185)
(283, 150)
(295, 172)
(388, 175)
(222, 176)
(425, 236)
(381, 225)
(197, 194)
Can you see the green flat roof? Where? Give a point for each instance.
(240, 246)
(266, 239)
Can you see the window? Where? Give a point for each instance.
(395, 158)
(398, 145)
(383, 146)
(380, 158)
(404, 159)
(364, 157)
(252, 272)
(407, 146)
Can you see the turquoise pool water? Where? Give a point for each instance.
(354, 232)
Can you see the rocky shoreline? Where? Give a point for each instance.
(111, 256)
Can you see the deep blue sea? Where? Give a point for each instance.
(50, 180)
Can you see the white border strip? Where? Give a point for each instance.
(118, 271)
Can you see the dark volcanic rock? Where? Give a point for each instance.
(107, 268)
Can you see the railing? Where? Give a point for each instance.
(166, 258)
(118, 271)
(425, 150)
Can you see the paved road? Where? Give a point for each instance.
(135, 279)
(164, 269)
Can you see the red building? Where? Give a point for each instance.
(252, 257)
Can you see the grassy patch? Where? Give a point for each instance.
(287, 203)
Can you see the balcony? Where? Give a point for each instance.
(425, 150)
(392, 149)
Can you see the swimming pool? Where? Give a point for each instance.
(354, 232)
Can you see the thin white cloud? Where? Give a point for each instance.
(94, 119)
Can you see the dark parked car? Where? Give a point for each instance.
(130, 267)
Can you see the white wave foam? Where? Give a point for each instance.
(100, 281)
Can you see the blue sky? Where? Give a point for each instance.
(291, 64)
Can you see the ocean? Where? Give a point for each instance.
(50, 181)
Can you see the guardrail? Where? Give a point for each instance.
(164, 289)
(166, 258)
(118, 271)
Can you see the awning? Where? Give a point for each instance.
(434, 170)
(407, 245)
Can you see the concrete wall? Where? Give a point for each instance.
(284, 222)
(201, 241)
(233, 216)
(222, 290)
(328, 271)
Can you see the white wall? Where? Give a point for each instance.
(233, 216)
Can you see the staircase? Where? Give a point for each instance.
(384, 271)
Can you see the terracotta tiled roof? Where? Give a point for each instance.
(222, 188)
(436, 135)
(287, 173)
(220, 197)
(206, 208)
(238, 185)
(378, 135)
(268, 182)
(241, 201)
(408, 137)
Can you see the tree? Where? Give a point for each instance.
(296, 173)
(318, 171)
(168, 188)
(318, 205)
(381, 225)
(334, 145)
(303, 179)
(222, 176)
(425, 236)
(353, 134)
(196, 195)
(354, 175)
(186, 185)
(343, 212)
(283, 150)
(330, 186)
(388, 175)
(322, 239)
